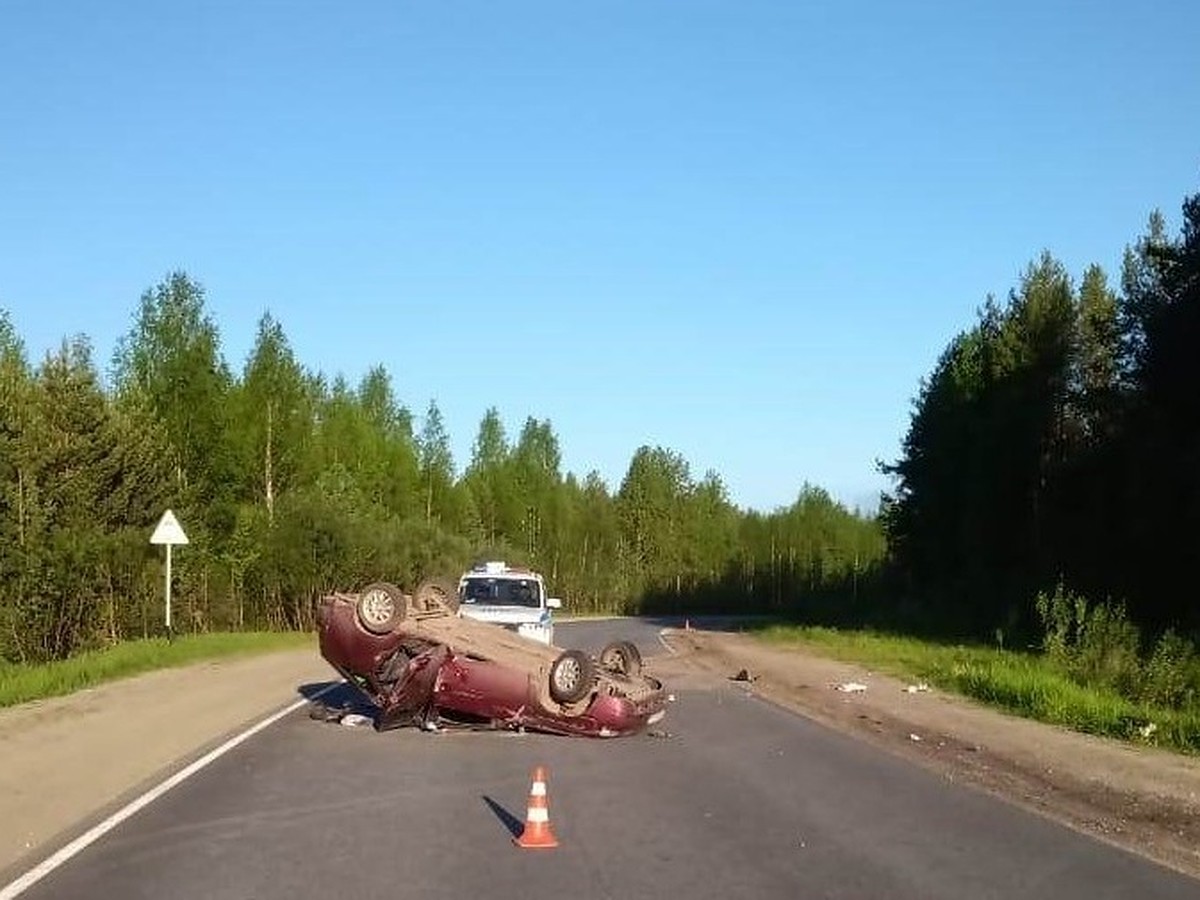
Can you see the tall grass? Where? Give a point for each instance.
(1095, 644)
(21, 683)
(1031, 685)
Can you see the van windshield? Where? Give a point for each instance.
(501, 592)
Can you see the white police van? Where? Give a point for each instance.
(506, 595)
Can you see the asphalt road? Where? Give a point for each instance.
(733, 797)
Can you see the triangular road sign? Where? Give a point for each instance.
(169, 531)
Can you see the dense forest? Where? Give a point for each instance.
(1053, 454)
(291, 484)
(1056, 447)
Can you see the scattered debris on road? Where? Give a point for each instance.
(319, 712)
(914, 737)
(743, 675)
(339, 715)
(919, 688)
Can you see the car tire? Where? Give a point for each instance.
(381, 607)
(571, 676)
(435, 594)
(622, 657)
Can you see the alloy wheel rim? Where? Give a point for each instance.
(377, 607)
(567, 675)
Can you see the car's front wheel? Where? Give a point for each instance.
(381, 607)
(571, 676)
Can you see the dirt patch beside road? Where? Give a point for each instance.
(1140, 798)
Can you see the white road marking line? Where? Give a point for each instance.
(37, 873)
(662, 640)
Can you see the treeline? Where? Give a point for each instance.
(1057, 442)
(290, 485)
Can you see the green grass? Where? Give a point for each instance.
(1022, 683)
(21, 683)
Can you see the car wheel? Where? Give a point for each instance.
(622, 657)
(381, 607)
(571, 676)
(436, 594)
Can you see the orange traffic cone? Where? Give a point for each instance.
(537, 831)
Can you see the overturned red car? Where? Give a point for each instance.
(421, 664)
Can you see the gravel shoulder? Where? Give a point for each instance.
(70, 760)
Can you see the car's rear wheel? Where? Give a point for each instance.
(622, 657)
(381, 607)
(436, 593)
(571, 676)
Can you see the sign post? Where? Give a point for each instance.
(168, 532)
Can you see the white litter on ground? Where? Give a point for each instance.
(850, 687)
(354, 720)
(917, 688)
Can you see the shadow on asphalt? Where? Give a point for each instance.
(341, 698)
(514, 825)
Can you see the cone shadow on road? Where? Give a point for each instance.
(511, 822)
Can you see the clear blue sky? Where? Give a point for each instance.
(741, 230)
